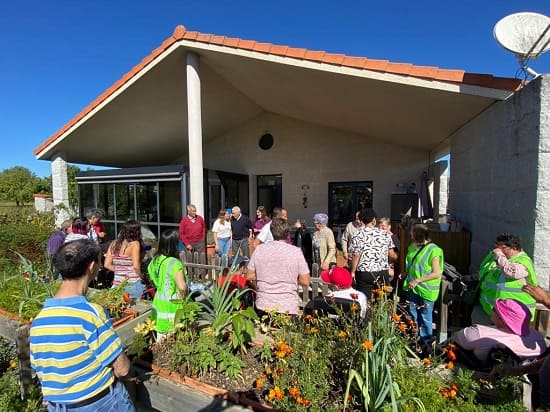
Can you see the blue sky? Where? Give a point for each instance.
(59, 55)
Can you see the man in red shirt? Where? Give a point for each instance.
(193, 230)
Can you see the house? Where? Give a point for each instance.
(257, 123)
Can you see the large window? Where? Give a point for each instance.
(154, 196)
(270, 191)
(345, 199)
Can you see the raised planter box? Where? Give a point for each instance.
(169, 391)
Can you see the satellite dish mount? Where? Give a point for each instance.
(527, 35)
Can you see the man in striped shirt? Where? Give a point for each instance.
(75, 351)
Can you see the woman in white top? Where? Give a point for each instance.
(221, 232)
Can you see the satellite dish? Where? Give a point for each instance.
(527, 35)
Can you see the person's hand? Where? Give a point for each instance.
(324, 266)
(497, 251)
(413, 283)
(402, 276)
(216, 248)
(537, 292)
(346, 255)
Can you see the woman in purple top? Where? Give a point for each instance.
(261, 220)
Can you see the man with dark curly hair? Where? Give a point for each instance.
(77, 355)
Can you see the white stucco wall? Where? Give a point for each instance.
(499, 174)
(305, 153)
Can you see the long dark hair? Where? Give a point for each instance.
(168, 243)
(131, 230)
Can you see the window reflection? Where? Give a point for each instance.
(124, 201)
(170, 207)
(146, 194)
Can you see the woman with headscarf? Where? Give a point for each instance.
(324, 245)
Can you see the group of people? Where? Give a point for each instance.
(508, 289)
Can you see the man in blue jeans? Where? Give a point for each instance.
(77, 355)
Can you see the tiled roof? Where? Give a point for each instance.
(383, 66)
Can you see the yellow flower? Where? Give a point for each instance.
(450, 365)
(368, 345)
(342, 334)
(13, 364)
(387, 288)
(354, 307)
(259, 382)
(427, 361)
(314, 331)
(145, 327)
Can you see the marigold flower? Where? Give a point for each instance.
(259, 383)
(402, 327)
(354, 307)
(377, 292)
(13, 364)
(342, 334)
(451, 346)
(427, 361)
(354, 296)
(276, 393)
(126, 297)
(414, 330)
(368, 345)
(308, 317)
(387, 288)
(314, 330)
(410, 322)
(294, 392)
(268, 370)
(451, 355)
(302, 401)
(450, 365)
(395, 317)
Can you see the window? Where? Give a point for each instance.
(270, 191)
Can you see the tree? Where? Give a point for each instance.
(18, 184)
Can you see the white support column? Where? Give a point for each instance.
(194, 122)
(60, 189)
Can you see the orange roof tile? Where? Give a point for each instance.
(181, 33)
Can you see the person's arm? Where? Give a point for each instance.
(344, 242)
(512, 270)
(331, 250)
(354, 263)
(108, 263)
(392, 256)
(304, 279)
(215, 237)
(436, 273)
(179, 278)
(135, 254)
(121, 365)
(539, 294)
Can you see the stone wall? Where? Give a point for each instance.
(499, 161)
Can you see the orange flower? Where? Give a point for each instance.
(450, 365)
(276, 393)
(308, 317)
(259, 382)
(396, 318)
(354, 307)
(387, 288)
(414, 330)
(294, 392)
(302, 401)
(451, 355)
(427, 361)
(402, 327)
(126, 297)
(282, 350)
(268, 370)
(451, 346)
(368, 345)
(342, 334)
(354, 296)
(377, 292)
(410, 322)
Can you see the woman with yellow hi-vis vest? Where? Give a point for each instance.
(424, 266)
(502, 274)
